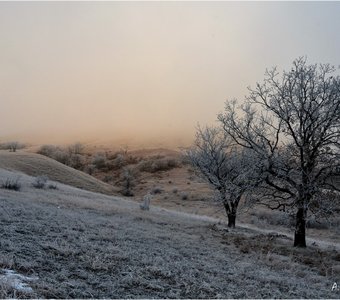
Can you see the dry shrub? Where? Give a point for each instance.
(273, 218)
(128, 181)
(62, 157)
(71, 156)
(76, 148)
(156, 190)
(278, 218)
(184, 196)
(119, 160)
(40, 182)
(47, 150)
(108, 178)
(89, 169)
(153, 165)
(99, 161)
(76, 161)
(55, 153)
(11, 184)
(52, 186)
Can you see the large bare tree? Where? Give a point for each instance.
(292, 122)
(228, 169)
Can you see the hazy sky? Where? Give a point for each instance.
(145, 71)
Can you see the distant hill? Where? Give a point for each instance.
(35, 164)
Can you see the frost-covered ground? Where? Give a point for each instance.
(16, 281)
(84, 245)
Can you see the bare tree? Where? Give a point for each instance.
(292, 122)
(228, 169)
(14, 146)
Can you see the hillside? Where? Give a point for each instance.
(34, 165)
(72, 243)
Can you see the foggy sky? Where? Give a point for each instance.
(145, 72)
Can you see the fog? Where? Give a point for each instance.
(144, 73)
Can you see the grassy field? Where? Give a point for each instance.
(83, 245)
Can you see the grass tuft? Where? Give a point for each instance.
(11, 184)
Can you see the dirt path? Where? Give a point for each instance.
(310, 241)
(319, 242)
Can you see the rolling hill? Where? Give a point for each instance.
(35, 165)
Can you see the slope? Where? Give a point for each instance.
(79, 244)
(35, 165)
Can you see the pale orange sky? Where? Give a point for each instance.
(145, 72)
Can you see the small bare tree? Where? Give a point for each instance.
(228, 169)
(14, 146)
(292, 123)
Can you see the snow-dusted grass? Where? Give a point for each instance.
(16, 281)
(84, 245)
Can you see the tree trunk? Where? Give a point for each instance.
(231, 213)
(300, 228)
(231, 209)
(231, 220)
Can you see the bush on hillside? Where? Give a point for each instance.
(77, 161)
(128, 181)
(89, 169)
(154, 165)
(48, 150)
(11, 184)
(40, 182)
(71, 156)
(76, 148)
(99, 161)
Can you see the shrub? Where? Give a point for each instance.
(71, 156)
(52, 186)
(156, 190)
(107, 178)
(175, 190)
(61, 156)
(153, 165)
(11, 184)
(119, 161)
(128, 181)
(76, 161)
(76, 148)
(184, 196)
(99, 161)
(40, 182)
(275, 217)
(48, 150)
(89, 169)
